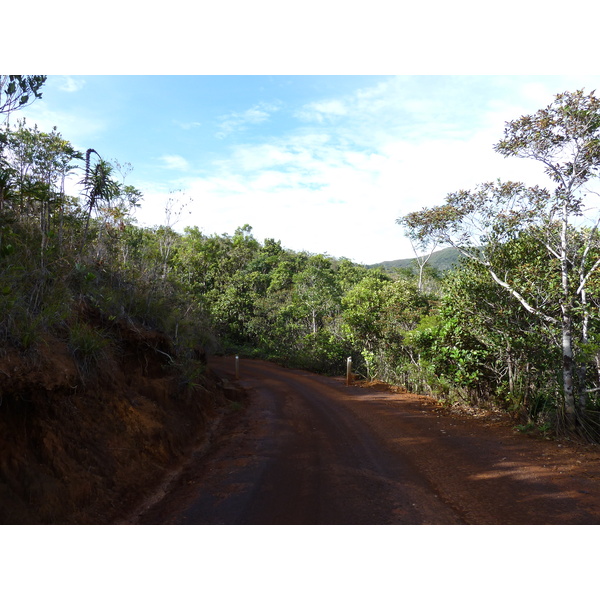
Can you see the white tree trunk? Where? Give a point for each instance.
(567, 328)
(568, 369)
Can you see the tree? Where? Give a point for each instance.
(421, 249)
(99, 187)
(316, 292)
(16, 91)
(510, 354)
(377, 315)
(39, 166)
(565, 138)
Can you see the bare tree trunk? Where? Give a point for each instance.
(583, 397)
(568, 370)
(511, 371)
(567, 330)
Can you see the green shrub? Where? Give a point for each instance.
(89, 346)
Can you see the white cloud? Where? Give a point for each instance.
(341, 202)
(176, 162)
(321, 111)
(236, 121)
(188, 125)
(70, 84)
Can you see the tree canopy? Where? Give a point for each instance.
(16, 91)
(565, 138)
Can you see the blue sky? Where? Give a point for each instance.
(323, 163)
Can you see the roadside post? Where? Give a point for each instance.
(349, 370)
(237, 366)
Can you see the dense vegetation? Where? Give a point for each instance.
(461, 336)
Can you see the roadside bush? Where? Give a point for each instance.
(89, 346)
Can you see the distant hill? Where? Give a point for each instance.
(442, 260)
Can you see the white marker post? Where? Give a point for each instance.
(349, 370)
(237, 366)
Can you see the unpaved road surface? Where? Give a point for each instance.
(307, 449)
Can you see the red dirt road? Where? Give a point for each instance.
(309, 450)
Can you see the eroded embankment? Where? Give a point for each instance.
(83, 443)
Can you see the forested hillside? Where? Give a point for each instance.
(84, 289)
(440, 261)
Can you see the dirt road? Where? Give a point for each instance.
(309, 450)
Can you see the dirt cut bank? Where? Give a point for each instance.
(82, 443)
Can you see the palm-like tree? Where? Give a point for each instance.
(99, 186)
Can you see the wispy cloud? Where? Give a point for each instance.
(237, 121)
(322, 111)
(175, 162)
(70, 84)
(188, 125)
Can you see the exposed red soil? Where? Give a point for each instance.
(82, 444)
(306, 449)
